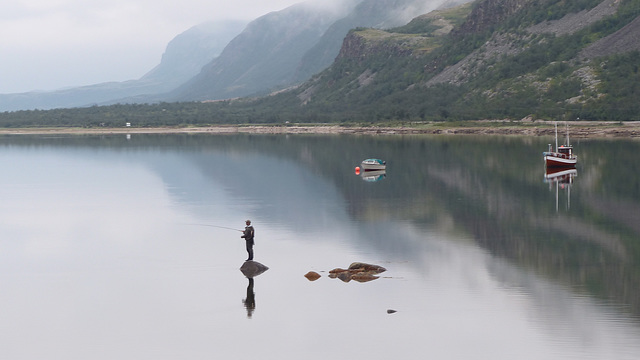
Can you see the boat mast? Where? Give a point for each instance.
(556, 150)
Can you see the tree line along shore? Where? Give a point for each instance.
(577, 129)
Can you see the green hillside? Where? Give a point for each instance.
(510, 71)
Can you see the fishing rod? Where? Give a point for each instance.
(216, 226)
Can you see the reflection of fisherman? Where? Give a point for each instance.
(248, 235)
(250, 301)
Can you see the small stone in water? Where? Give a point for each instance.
(312, 275)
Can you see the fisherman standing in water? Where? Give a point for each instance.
(248, 237)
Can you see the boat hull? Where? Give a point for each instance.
(373, 164)
(558, 161)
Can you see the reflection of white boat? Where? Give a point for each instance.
(373, 175)
(563, 155)
(373, 164)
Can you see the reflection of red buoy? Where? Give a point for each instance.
(357, 170)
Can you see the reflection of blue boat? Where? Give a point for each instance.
(373, 175)
(373, 164)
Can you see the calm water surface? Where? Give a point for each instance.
(128, 248)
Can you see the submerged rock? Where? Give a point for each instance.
(252, 268)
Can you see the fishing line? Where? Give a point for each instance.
(215, 226)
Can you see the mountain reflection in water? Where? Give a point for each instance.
(475, 245)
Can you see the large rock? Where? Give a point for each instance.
(357, 271)
(252, 268)
(358, 266)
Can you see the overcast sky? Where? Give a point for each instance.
(52, 44)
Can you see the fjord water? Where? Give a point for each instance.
(115, 247)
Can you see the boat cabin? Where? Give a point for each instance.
(565, 150)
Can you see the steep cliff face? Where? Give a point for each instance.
(262, 56)
(418, 37)
(511, 43)
(378, 14)
(488, 13)
(188, 52)
(360, 45)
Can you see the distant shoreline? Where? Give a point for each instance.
(577, 129)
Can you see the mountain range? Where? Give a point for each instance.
(401, 60)
(183, 58)
(224, 60)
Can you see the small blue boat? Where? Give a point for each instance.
(373, 164)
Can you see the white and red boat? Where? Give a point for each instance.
(563, 155)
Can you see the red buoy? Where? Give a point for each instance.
(357, 170)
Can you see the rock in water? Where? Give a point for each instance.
(312, 276)
(252, 268)
(364, 267)
(357, 271)
(344, 276)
